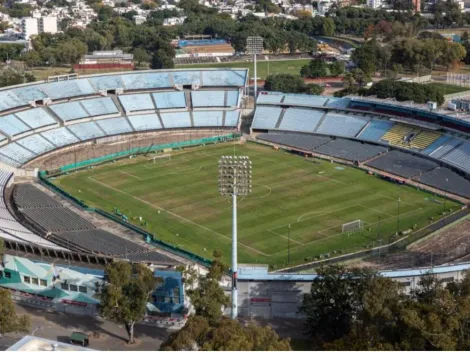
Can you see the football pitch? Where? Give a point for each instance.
(297, 207)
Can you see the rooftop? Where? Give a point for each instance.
(33, 343)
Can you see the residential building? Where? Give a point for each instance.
(47, 24)
(29, 27)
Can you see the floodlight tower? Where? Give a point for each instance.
(234, 180)
(254, 45)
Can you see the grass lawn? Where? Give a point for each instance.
(448, 88)
(286, 66)
(179, 201)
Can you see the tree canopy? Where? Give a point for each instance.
(287, 83)
(9, 320)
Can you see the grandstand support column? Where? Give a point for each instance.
(234, 257)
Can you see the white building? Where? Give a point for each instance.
(29, 27)
(324, 7)
(48, 24)
(375, 4)
(172, 21)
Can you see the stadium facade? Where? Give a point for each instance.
(408, 143)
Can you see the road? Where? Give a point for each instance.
(58, 326)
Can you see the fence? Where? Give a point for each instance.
(457, 95)
(147, 235)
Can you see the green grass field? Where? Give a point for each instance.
(448, 88)
(286, 66)
(179, 201)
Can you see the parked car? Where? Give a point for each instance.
(79, 338)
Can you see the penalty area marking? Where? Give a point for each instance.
(176, 215)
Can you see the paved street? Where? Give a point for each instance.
(57, 326)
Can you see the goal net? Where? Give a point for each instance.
(155, 158)
(353, 227)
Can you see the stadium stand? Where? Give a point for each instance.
(208, 98)
(350, 150)
(342, 125)
(304, 100)
(402, 164)
(60, 136)
(169, 100)
(12, 125)
(447, 180)
(136, 102)
(232, 98)
(375, 130)
(36, 143)
(295, 140)
(67, 89)
(187, 77)
(266, 117)
(207, 118)
(115, 125)
(109, 82)
(460, 156)
(36, 118)
(340, 103)
(424, 139)
(86, 130)
(445, 148)
(302, 120)
(269, 98)
(176, 119)
(397, 134)
(232, 118)
(16, 152)
(28, 196)
(69, 111)
(147, 80)
(57, 219)
(436, 144)
(235, 78)
(9, 100)
(100, 106)
(145, 122)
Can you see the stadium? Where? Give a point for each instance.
(124, 166)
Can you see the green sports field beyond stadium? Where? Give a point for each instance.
(179, 203)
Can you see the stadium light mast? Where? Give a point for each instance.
(234, 180)
(254, 45)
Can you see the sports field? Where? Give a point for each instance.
(179, 202)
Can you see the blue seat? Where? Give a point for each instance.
(146, 80)
(302, 120)
(114, 125)
(376, 130)
(99, 106)
(232, 118)
(145, 122)
(36, 143)
(69, 111)
(36, 118)
(342, 125)
(11, 125)
(176, 119)
(169, 100)
(208, 98)
(304, 99)
(266, 117)
(86, 130)
(136, 102)
(60, 136)
(207, 118)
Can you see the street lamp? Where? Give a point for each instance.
(254, 45)
(234, 180)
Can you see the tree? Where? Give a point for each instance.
(9, 320)
(314, 89)
(140, 55)
(361, 77)
(348, 80)
(125, 295)
(160, 59)
(31, 58)
(224, 335)
(315, 68)
(284, 83)
(11, 76)
(337, 68)
(328, 27)
(208, 298)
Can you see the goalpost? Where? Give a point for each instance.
(352, 227)
(154, 159)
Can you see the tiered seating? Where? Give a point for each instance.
(115, 125)
(232, 98)
(350, 150)
(17, 153)
(9, 100)
(9, 161)
(424, 139)
(231, 118)
(224, 78)
(375, 130)
(28, 196)
(207, 118)
(145, 122)
(176, 119)
(107, 82)
(207, 98)
(266, 117)
(86, 130)
(270, 98)
(67, 89)
(60, 136)
(136, 102)
(342, 125)
(69, 111)
(36, 144)
(187, 77)
(99, 106)
(302, 120)
(169, 100)
(402, 164)
(460, 156)
(12, 125)
(36, 118)
(445, 148)
(447, 180)
(29, 93)
(295, 140)
(436, 144)
(340, 103)
(396, 134)
(147, 80)
(304, 99)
